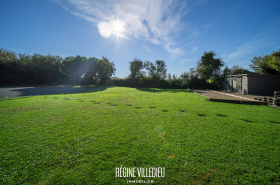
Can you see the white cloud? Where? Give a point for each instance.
(256, 43)
(194, 33)
(115, 27)
(246, 49)
(156, 21)
(183, 61)
(147, 49)
(104, 29)
(118, 47)
(194, 49)
(207, 26)
(175, 51)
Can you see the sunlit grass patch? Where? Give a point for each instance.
(48, 140)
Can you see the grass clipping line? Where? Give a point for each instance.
(161, 135)
(205, 176)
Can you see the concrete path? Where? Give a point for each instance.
(33, 91)
(226, 96)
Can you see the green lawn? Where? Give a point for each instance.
(82, 138)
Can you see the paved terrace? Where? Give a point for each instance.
(224, 96)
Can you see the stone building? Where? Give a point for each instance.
(251, 84)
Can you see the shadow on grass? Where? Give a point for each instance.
(238, 102)
(246, 120)
(24, 92)
(274, 122)
(159, 90)
(221, 115)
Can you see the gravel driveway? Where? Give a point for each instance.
(33, 91)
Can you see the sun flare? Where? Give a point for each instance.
(117, 27)
(114, 27)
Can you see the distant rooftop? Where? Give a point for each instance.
(249, 75)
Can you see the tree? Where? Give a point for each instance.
(184, 80)
(103, 70)
(169, 78)
(112, 65)
(267, 64)
(135, 66)
(90, 74)
(151, 68)
(226, 71)
(74, 67)
(9, 66)
(195, 81)
(235, 69)
(208, 66)
(156, 71)
(161, 69)
(274, 61)
(54, 74)
(27, 69)
(113, 69)
(173, 81)
(98, 70)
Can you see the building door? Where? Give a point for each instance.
(239, 84)
(234, 89)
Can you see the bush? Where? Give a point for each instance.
(119, 82)
(215, 83)
(110, 82)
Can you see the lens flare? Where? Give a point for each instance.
(118, 28)
(114, 27)
(170, 156)
(158, 128)
(166, 144)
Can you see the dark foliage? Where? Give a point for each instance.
(267, 64)
(38, 69)
(30, 69)
(208, 66)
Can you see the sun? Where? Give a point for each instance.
(114, 27)
(118, 28)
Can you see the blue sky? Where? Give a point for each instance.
(177, 32)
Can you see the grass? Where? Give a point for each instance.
(82, 138)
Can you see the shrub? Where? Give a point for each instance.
(109, 82)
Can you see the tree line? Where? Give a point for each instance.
(89, 70)
(29, 69)
(80, 70)
(39, 69)
(207, 74)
